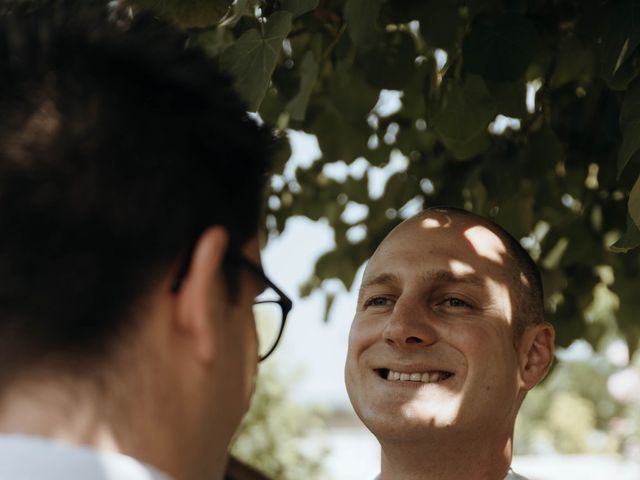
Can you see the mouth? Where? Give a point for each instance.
(431, 376)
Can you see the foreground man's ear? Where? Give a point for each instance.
(535, 353)
(202, 295)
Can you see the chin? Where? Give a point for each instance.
(409, 421)
(408, 430)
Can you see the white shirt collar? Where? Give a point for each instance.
(511, 475)
(25, 457)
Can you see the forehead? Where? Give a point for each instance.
(443, 242)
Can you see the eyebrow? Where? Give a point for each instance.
(382, 279)
(446, 276)
(438, 276)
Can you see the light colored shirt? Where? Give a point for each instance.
(511, 475)
(35, 458)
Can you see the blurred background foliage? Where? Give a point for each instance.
(527, 111)
(279, 437)
(588, 405)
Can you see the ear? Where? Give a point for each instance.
(202, 294)
(535, 354)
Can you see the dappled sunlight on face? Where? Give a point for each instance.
(486, 243)
(437, 295)
(461, 268)
(437, 409)
(431, 222)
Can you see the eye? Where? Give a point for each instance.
(377, 302)
(454, 302)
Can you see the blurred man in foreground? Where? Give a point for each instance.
(130, 202)
(447, 339)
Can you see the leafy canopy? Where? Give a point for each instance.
(526, 111)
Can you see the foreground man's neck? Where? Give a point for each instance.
(76, 416)
(445, 461)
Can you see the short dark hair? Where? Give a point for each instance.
(118, 147)
(530, 308)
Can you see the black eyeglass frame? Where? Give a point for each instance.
(285, 303)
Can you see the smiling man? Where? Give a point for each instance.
(447, 339)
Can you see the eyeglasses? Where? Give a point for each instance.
(270, 310)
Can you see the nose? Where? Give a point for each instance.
(410, 325)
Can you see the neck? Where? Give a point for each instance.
(132, 418)
(446, 460)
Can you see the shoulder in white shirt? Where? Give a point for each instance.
(27, 458)
(510, 476)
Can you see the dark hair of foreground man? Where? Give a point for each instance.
(116, 150)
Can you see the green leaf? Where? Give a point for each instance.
(510, 98)
(297, 107)
(629, 240)
(212, 41)
(299, 7)
(630, 126)
(252, 59)
(462, 116)
(575, 62)
(634, 203)
(516, 213)
(621, 38)
(189, 13)
(328, 304)
(339, 138)
(417, 90)
(332, 265)
(404, 11)
(464, 150)
(441, 26)
(502, 52)
(544, 151)
(361, 17)
(240, 9)
(391, 62)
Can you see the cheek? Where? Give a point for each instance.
(353, 349)
(251, 339)
(490, 355)
(251, 357)
(360, 337)
(364, 332)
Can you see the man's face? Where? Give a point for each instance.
(435, 309)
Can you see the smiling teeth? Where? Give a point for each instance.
(417, 377)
